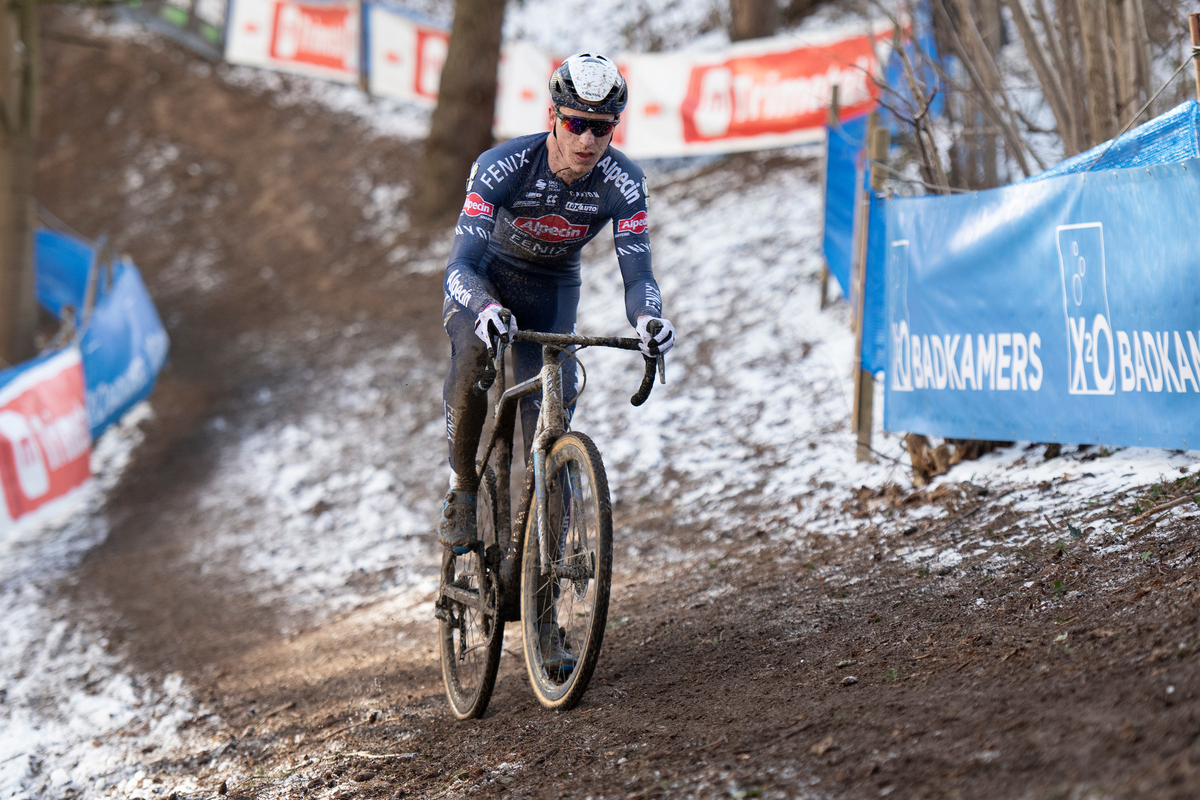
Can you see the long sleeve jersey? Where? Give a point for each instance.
(516, 211)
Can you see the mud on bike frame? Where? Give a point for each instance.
(557, 583)
(550, 426)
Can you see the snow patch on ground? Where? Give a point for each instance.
(71, 721)
(314, 502)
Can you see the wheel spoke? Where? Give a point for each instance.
(564, 611)
(471, 632)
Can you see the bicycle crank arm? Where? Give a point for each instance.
(468, 597)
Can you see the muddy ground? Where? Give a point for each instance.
(790, 664)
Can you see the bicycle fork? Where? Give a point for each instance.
(543, 440)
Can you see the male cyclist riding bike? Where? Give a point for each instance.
(532, 204)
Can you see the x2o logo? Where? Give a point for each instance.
(1091, 357)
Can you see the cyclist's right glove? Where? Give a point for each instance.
(489, 326)
(663, 341)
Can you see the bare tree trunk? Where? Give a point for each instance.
(1141, 45)
(1093, 23)
(461, 128)
(980, 66)
(753, 19)
(19, 79)
(1051, 84)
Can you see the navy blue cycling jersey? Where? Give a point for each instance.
(517, 212)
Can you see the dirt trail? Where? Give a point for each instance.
(790, 665)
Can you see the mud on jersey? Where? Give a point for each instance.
(518, 212)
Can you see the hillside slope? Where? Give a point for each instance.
(250, 601)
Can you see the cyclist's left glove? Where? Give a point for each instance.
(663, 341)
(489, 326)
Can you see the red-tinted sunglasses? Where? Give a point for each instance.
(577, 125)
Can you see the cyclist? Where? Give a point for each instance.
(532, 204)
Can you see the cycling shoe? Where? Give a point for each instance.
(456, 526)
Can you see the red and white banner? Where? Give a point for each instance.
(319, 38)
(45, 444)
(748, 96)
(753, 95)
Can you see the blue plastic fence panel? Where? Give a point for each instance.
(1167, 139)
(62, 264)
(124, 345)
(1062, 310)
(124, 348)
(844, 166)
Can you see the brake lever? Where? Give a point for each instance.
(489, 375)
(495, 354)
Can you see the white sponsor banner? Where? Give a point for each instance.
(404, 56)
(319, 38)
(45, 442)
(523, 93)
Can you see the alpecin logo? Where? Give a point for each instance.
(476, 206)
(635, 224)
(550, 228)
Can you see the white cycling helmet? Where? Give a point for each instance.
(589, 82)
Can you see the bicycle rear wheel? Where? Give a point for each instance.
(566, 608)
(471, 630)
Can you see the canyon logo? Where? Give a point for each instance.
(776, 92)
(550, 228)
(635, 224)
(476, 206)
(316, 34)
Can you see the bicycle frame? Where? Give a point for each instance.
(551, 425)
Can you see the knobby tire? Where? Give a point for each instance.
(580, 538)
(470, 639)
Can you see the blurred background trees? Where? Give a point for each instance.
(461, 127)
(1032, 81)
(19, 68)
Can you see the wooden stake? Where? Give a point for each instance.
(878, 138)
(1194, 21)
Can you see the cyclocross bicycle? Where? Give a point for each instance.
(549, 566)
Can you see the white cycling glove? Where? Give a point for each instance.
(488, 325)
(664, 339)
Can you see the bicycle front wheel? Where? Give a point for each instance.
(564, 607)
(471, 630)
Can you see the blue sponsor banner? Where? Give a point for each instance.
(845, 178)
(844, 173)
(62, 264)
(124, 348)
(1065, 310)
(874, 340)
(124, 344)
